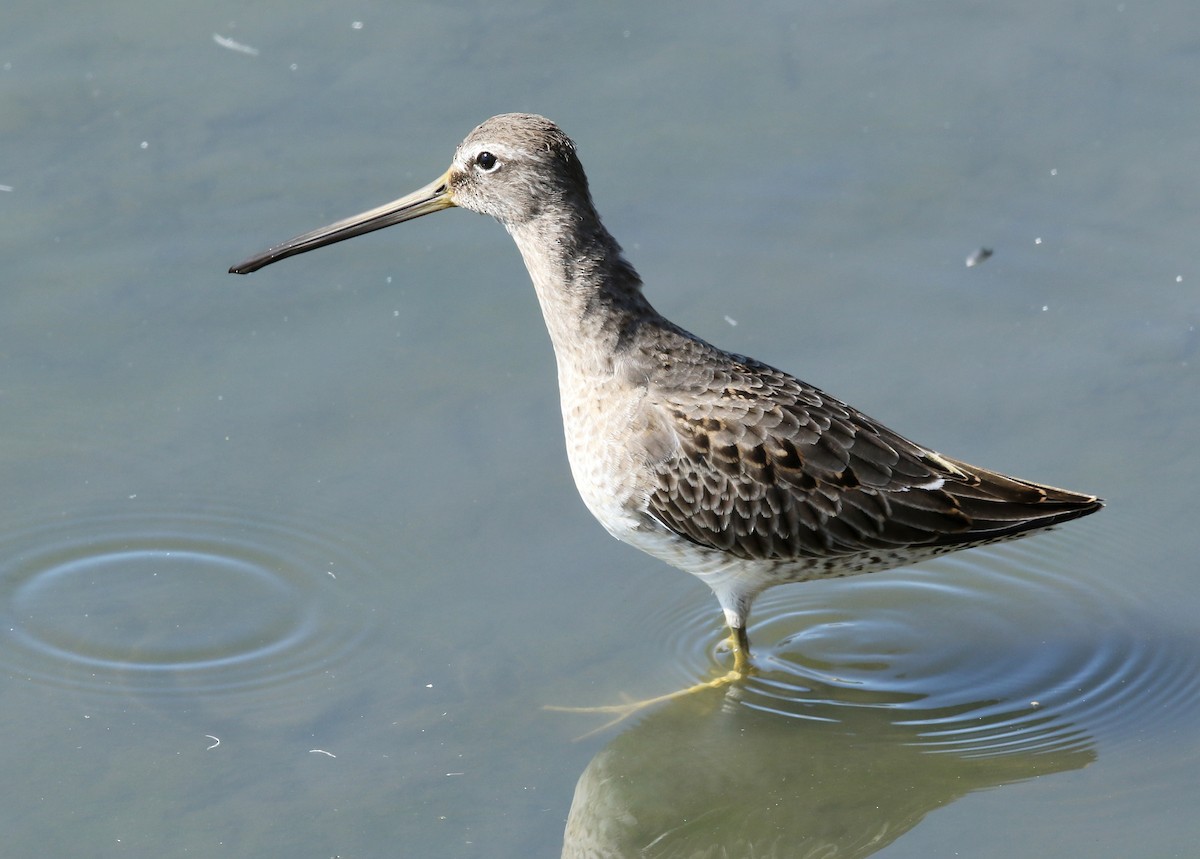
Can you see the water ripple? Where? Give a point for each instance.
(1009, 650)
(160, 602)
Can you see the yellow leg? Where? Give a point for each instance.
(739, 643)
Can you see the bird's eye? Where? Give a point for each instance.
(486, 160)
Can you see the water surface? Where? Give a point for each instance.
(289, 564)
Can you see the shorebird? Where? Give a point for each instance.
(716, 463)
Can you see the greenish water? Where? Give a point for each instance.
(290, 564)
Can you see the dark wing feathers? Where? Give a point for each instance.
(776, 469)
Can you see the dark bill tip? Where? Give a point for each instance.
(432, 198)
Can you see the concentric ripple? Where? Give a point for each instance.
(991, 652)
(160, 602)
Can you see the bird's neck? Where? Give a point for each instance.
(591, 297)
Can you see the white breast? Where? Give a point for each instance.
(609, 472)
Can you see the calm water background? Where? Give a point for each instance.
(322, 515)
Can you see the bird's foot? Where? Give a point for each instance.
(738, 643)
(621, 712)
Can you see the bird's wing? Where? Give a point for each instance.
(761, 465)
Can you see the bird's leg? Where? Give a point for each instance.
(739, 643)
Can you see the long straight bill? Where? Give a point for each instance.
(432, 198)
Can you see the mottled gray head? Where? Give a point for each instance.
(515, 165)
